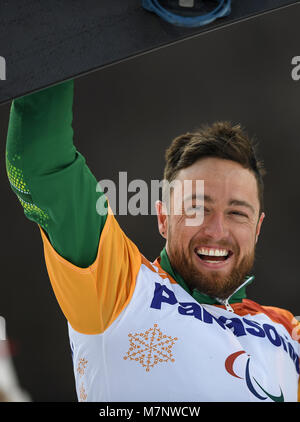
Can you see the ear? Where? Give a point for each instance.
(258, 227)
(161, 218)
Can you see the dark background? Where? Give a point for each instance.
(45, 42)
(124, 118)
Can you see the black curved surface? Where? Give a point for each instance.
(45, 43)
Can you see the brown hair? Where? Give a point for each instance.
(221, 140)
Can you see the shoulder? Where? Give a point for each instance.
(278, 315)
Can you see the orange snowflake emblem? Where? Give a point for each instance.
(150, 347)
(83, 395)
(81, 366)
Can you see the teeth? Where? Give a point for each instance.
(212, 262)
(212, 252)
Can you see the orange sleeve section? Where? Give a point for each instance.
(282, 315)
(92, 298)
(279, 315)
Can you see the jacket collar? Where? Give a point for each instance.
(237, 296)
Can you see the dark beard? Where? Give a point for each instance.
(213, 285)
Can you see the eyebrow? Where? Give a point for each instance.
(237, 202)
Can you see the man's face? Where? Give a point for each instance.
(216, 255)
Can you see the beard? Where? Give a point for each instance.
(210, 282)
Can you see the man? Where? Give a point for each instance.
(178, 329)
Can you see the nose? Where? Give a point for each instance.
(214, 226)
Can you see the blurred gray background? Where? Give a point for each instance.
(125, 116)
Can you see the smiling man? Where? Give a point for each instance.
(215, 255)
(180, 328)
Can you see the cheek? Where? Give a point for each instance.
(245, 239)
(179, 232)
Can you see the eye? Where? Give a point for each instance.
(239, 213)
(192, 210)
(194, 207)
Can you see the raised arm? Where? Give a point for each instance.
(50, 177)
(91, 264)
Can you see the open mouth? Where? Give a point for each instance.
(213, 256)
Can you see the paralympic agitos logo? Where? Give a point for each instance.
(253, 385)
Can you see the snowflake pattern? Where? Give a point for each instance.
(83, 395)
(150, 347)
(81, 366)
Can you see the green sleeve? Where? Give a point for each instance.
(50, 177)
